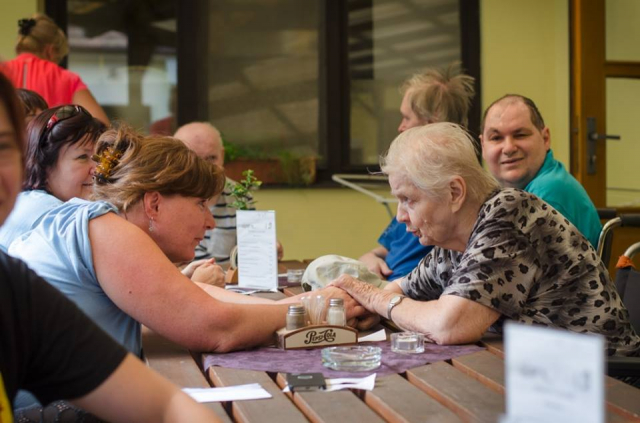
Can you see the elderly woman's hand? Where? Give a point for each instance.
(208, 272)
(373, 299)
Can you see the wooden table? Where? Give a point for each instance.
(468, 389)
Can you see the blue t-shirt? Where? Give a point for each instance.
(559, 188)
(405, 250)
(58, 249)
(30, 206)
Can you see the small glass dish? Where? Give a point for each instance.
(294, 275)
(407, 342)
(353, 358)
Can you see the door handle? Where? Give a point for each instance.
(595, 136)
(592, 137)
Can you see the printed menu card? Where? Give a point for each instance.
(257, 255)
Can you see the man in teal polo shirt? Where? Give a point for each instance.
(516, 147)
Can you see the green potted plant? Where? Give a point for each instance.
(241, 191)
(243, 200)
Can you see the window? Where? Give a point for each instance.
(313, 77)
(126, 54)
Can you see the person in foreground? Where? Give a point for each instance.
(115, 256)
(499, 254)
(49, 346)
(58, 166)
(516, 145)
(429, 97)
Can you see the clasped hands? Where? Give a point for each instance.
(358, 316)
(205, 271)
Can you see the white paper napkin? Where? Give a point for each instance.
(228, 393)
(380, 335)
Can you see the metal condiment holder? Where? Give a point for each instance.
(316, 336)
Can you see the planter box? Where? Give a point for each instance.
(295, 172)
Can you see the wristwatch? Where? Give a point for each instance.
(394, 302)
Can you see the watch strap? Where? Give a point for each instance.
(392, 303)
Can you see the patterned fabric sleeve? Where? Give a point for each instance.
(498, 270)
(423, 282)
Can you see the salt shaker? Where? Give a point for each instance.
(295, 317)
(336, 315)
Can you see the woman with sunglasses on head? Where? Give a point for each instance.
(60, 143)
(47, 345)
(40, 47)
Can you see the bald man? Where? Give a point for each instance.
(205, 140)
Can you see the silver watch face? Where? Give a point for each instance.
(396, 299)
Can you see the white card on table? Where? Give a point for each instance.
(257, 255)
(553, 375)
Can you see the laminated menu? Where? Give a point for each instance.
(257, 255)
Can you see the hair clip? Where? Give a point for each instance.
(107, 161)
(25, 26)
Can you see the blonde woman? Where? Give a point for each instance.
(114, 256)
(40, 47)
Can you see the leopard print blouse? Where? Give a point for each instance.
(529, 263)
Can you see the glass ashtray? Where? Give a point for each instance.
(353, 358)
(407, 342)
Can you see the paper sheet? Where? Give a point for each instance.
(553, 375)
(257, 255)
(230, 393)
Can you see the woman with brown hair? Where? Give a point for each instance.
(40, 47)
(114, 256)
(58, 166)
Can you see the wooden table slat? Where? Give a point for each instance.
(494, 343)
(331, 406)
(623, 401)
(176, 364)
(622, 398)
(465, 396)
(485, 367)
(397, 400)
(277, 409)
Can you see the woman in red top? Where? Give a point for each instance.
(41, 46)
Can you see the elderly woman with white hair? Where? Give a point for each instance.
(499, 254)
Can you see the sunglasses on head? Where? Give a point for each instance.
(63, 113)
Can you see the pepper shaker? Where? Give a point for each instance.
(295, 317)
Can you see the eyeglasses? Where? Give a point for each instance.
(63, 113)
